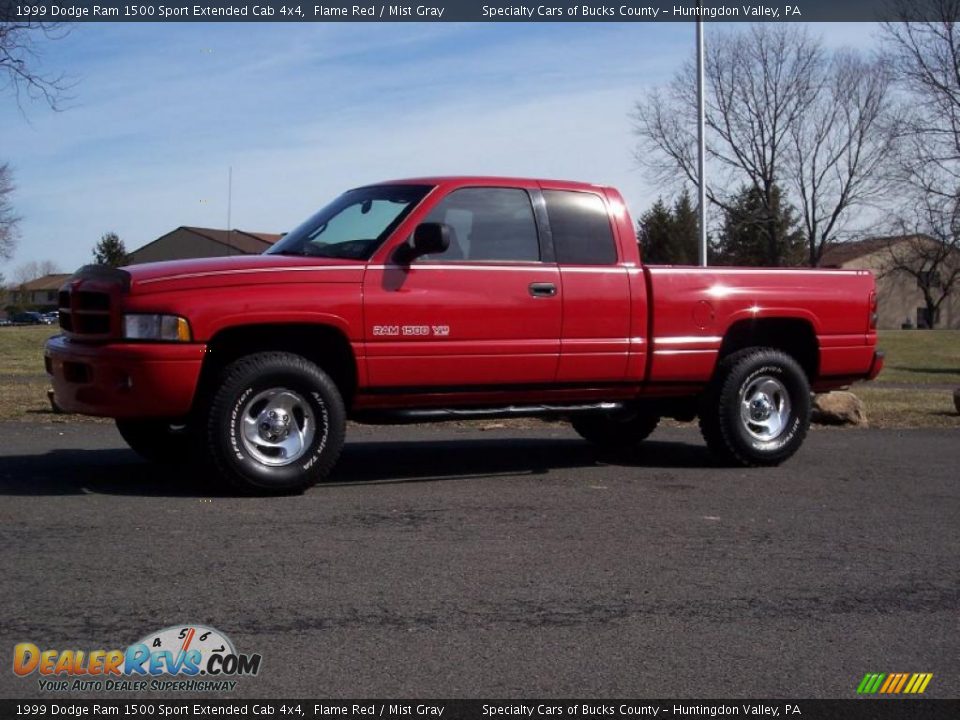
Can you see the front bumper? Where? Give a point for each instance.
(123, 379)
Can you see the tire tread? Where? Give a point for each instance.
(240, 372)
(715, 421)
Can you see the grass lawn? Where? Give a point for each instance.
(914, 390)
(21, 349)
(23, 381)
(921, 357)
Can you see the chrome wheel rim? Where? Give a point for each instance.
(765, 408)
(277, 427)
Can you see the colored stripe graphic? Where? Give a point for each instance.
(870, 683)
(891, 681)
(918, 683)
(894, 683)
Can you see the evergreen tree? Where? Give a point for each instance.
(653, 234)
(686, 231)
(668, 236)
(110, 251)
(754, 235)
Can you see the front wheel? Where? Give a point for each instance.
(757, 409)
(276, 424)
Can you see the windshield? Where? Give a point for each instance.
(354, 225)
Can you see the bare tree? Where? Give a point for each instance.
(780, 111)
(926, 57)
(19, 73)
(923, 47)
(19, 60)
(9, 221)
(844, 147)
(34, 269)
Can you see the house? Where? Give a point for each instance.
(39, 293)
(902, 265)
(198, 242)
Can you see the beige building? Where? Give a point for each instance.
(40, 293)
(899, 292)
(198, 242)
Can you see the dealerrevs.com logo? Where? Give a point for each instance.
(186, 658)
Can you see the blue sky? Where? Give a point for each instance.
(304, 111)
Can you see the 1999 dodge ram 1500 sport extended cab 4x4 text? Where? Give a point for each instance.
(453, 297)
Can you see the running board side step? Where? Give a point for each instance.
(425, 415)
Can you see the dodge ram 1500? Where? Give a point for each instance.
(452, 297)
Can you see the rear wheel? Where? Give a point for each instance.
(620, 428)
(159, 441)
(276, 424)
(757, 409)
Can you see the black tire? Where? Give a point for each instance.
(250, 449)
(165, 442)
(756, 411)
(622, 428)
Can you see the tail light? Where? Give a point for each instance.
(873, 310)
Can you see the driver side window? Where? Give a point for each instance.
(487, 225)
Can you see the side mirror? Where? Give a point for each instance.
(428, 239)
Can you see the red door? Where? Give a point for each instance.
(487, 312)
(597, 312)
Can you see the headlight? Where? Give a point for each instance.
(156, 327)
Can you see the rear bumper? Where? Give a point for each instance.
(843, 366)
(877, 365)
(124, 380)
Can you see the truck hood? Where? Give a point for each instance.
(240, 270)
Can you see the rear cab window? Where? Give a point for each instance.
(580, 225)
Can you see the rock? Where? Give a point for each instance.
(956, 400)
(838, 408)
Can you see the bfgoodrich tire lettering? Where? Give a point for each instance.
(757, 409)
(276, 423)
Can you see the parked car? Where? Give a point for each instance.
(452, 298)
(27, 318)
(50, 318)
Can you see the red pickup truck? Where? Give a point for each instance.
(453, 297)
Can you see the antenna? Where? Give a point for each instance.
(229, 205)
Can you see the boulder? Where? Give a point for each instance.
(838, 408)
(956, 400)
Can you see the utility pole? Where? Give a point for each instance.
(701, 141)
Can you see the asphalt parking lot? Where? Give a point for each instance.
(453, 562)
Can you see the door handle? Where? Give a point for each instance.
(543, 289)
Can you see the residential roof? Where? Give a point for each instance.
(842, 253)
(46, 282)
(250, 243)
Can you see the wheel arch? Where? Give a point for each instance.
(794, 336)
(325, 345)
